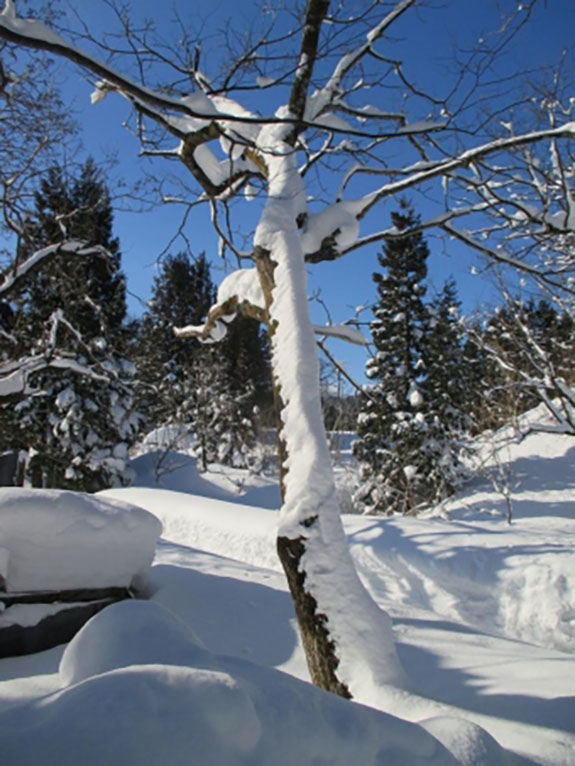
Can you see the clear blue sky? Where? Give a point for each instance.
(429, 44)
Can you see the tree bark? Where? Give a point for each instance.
(320, 650)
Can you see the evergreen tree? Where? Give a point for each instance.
(182, 294)
(212, 392)
(76, 419)
(527, 347)
(92, 290)
(220, 411)
(392, 424)
(247, 354)
(446, 385)
(478, 370)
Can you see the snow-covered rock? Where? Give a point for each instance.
(59, 540)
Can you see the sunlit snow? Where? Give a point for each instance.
(483, 616)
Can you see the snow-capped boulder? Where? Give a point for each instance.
(60, 540)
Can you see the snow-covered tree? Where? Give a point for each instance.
(528, 349)
(92, 290)
(35, 131)
(447, 391)
(393, 426)
(182, 294)
(320, 80)
(211, 395)
(223, 430)
(76, 429)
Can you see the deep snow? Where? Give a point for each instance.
(59, 540)
(483, 615)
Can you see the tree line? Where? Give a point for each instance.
(436, 379)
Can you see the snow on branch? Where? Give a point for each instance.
(323, 97)
(240, 292)
(34, 34)
(18, 272)
(342, 332)
(500, 256)
(464, 160)
(329, 234)
(15, 374)
(327, 244)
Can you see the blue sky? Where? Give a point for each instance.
(429, 45)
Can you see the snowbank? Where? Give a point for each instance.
(240, 531)
(59, 540)
(200, 708)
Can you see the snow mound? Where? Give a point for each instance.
(215, 709)
(159, 466)
(116, 640)
(152, 715)
(230, 529)
(59, 540)
(469, 743)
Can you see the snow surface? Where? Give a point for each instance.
(481, 621)
(168, 700)
(59, 540)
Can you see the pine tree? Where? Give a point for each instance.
(77, 419)
(392, 424)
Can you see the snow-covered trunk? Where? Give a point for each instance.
(348, 640)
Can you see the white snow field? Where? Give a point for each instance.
(483, 615)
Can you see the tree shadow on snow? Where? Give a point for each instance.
(463, 689)
(230, 616)
(28, 665)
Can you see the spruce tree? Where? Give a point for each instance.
(182, 294)
(212, 394)
(77, 419)
(392, 424)
(446, 385)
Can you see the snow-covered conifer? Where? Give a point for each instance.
(446, 385)
(393, 424)
(211, 394)
(76, 427)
